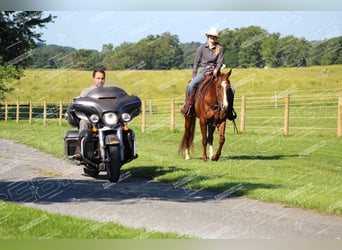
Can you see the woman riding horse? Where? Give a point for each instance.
(210, 108)
(209, 57)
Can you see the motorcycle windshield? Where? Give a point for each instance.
(103, 93)
(108, 99)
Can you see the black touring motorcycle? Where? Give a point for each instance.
(108, 143)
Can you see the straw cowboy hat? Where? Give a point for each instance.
(212, 32)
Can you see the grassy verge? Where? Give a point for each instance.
(19, 222)
(303, 170)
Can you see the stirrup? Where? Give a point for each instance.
(231, 115)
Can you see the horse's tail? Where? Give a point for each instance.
(189, 132)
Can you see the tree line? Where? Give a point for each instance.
(22, 47)
(244, 47)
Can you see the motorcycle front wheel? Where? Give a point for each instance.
(114, 165)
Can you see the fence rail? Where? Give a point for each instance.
(285, 113)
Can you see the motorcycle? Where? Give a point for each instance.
(107, 143)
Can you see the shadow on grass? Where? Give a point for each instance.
(257, 157)
(193, 179)
(235, 189)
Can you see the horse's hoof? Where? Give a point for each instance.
(215, 158)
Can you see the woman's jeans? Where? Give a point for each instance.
(195, 81)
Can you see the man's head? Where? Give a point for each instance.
(99, 77)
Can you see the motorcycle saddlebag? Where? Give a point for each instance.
(71, 142)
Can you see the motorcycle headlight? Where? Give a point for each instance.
(126, 117)
(94, 118)
(110, 118)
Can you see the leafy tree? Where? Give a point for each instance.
(52, 56)
(189, 52)
(243, 46)
(292, 51)
(86, 59)
(250, 40)
(8, 74)
(123, 57)
(332, 52)
(228, 39)
(18, 38)
(153, 52)
(269, 49)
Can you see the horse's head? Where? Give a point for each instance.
(222, 86)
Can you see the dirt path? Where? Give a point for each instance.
(36, 179)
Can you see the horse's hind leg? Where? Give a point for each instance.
(221, 128)
(187, 136)
(189, 127)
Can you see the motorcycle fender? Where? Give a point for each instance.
(112, 140)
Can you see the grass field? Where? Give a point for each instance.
(63, 85)
(301, 170)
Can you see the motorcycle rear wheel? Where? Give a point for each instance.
(113, 167)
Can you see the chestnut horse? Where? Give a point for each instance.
(210, 107)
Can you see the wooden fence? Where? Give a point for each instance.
(264, 113)
(20, 111)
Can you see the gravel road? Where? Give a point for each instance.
(36, 179)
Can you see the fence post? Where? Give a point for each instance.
(6, 111)
(243, 114)
(143, 116)
(30, 112)
(287, 114)
(44, 113)
(60, 112)
(275, 99)
(172, 115)
(150, 107)
(17, 113)
(339, 119)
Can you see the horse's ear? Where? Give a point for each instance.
(229, 73)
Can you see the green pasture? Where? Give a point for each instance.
(62, 85)
(314, 93)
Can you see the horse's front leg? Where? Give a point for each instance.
(221, 128)
(204, 138)
(211, 129)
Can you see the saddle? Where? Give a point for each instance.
(187, 109)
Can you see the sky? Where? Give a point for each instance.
(92, 29)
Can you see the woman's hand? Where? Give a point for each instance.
(215, 72)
